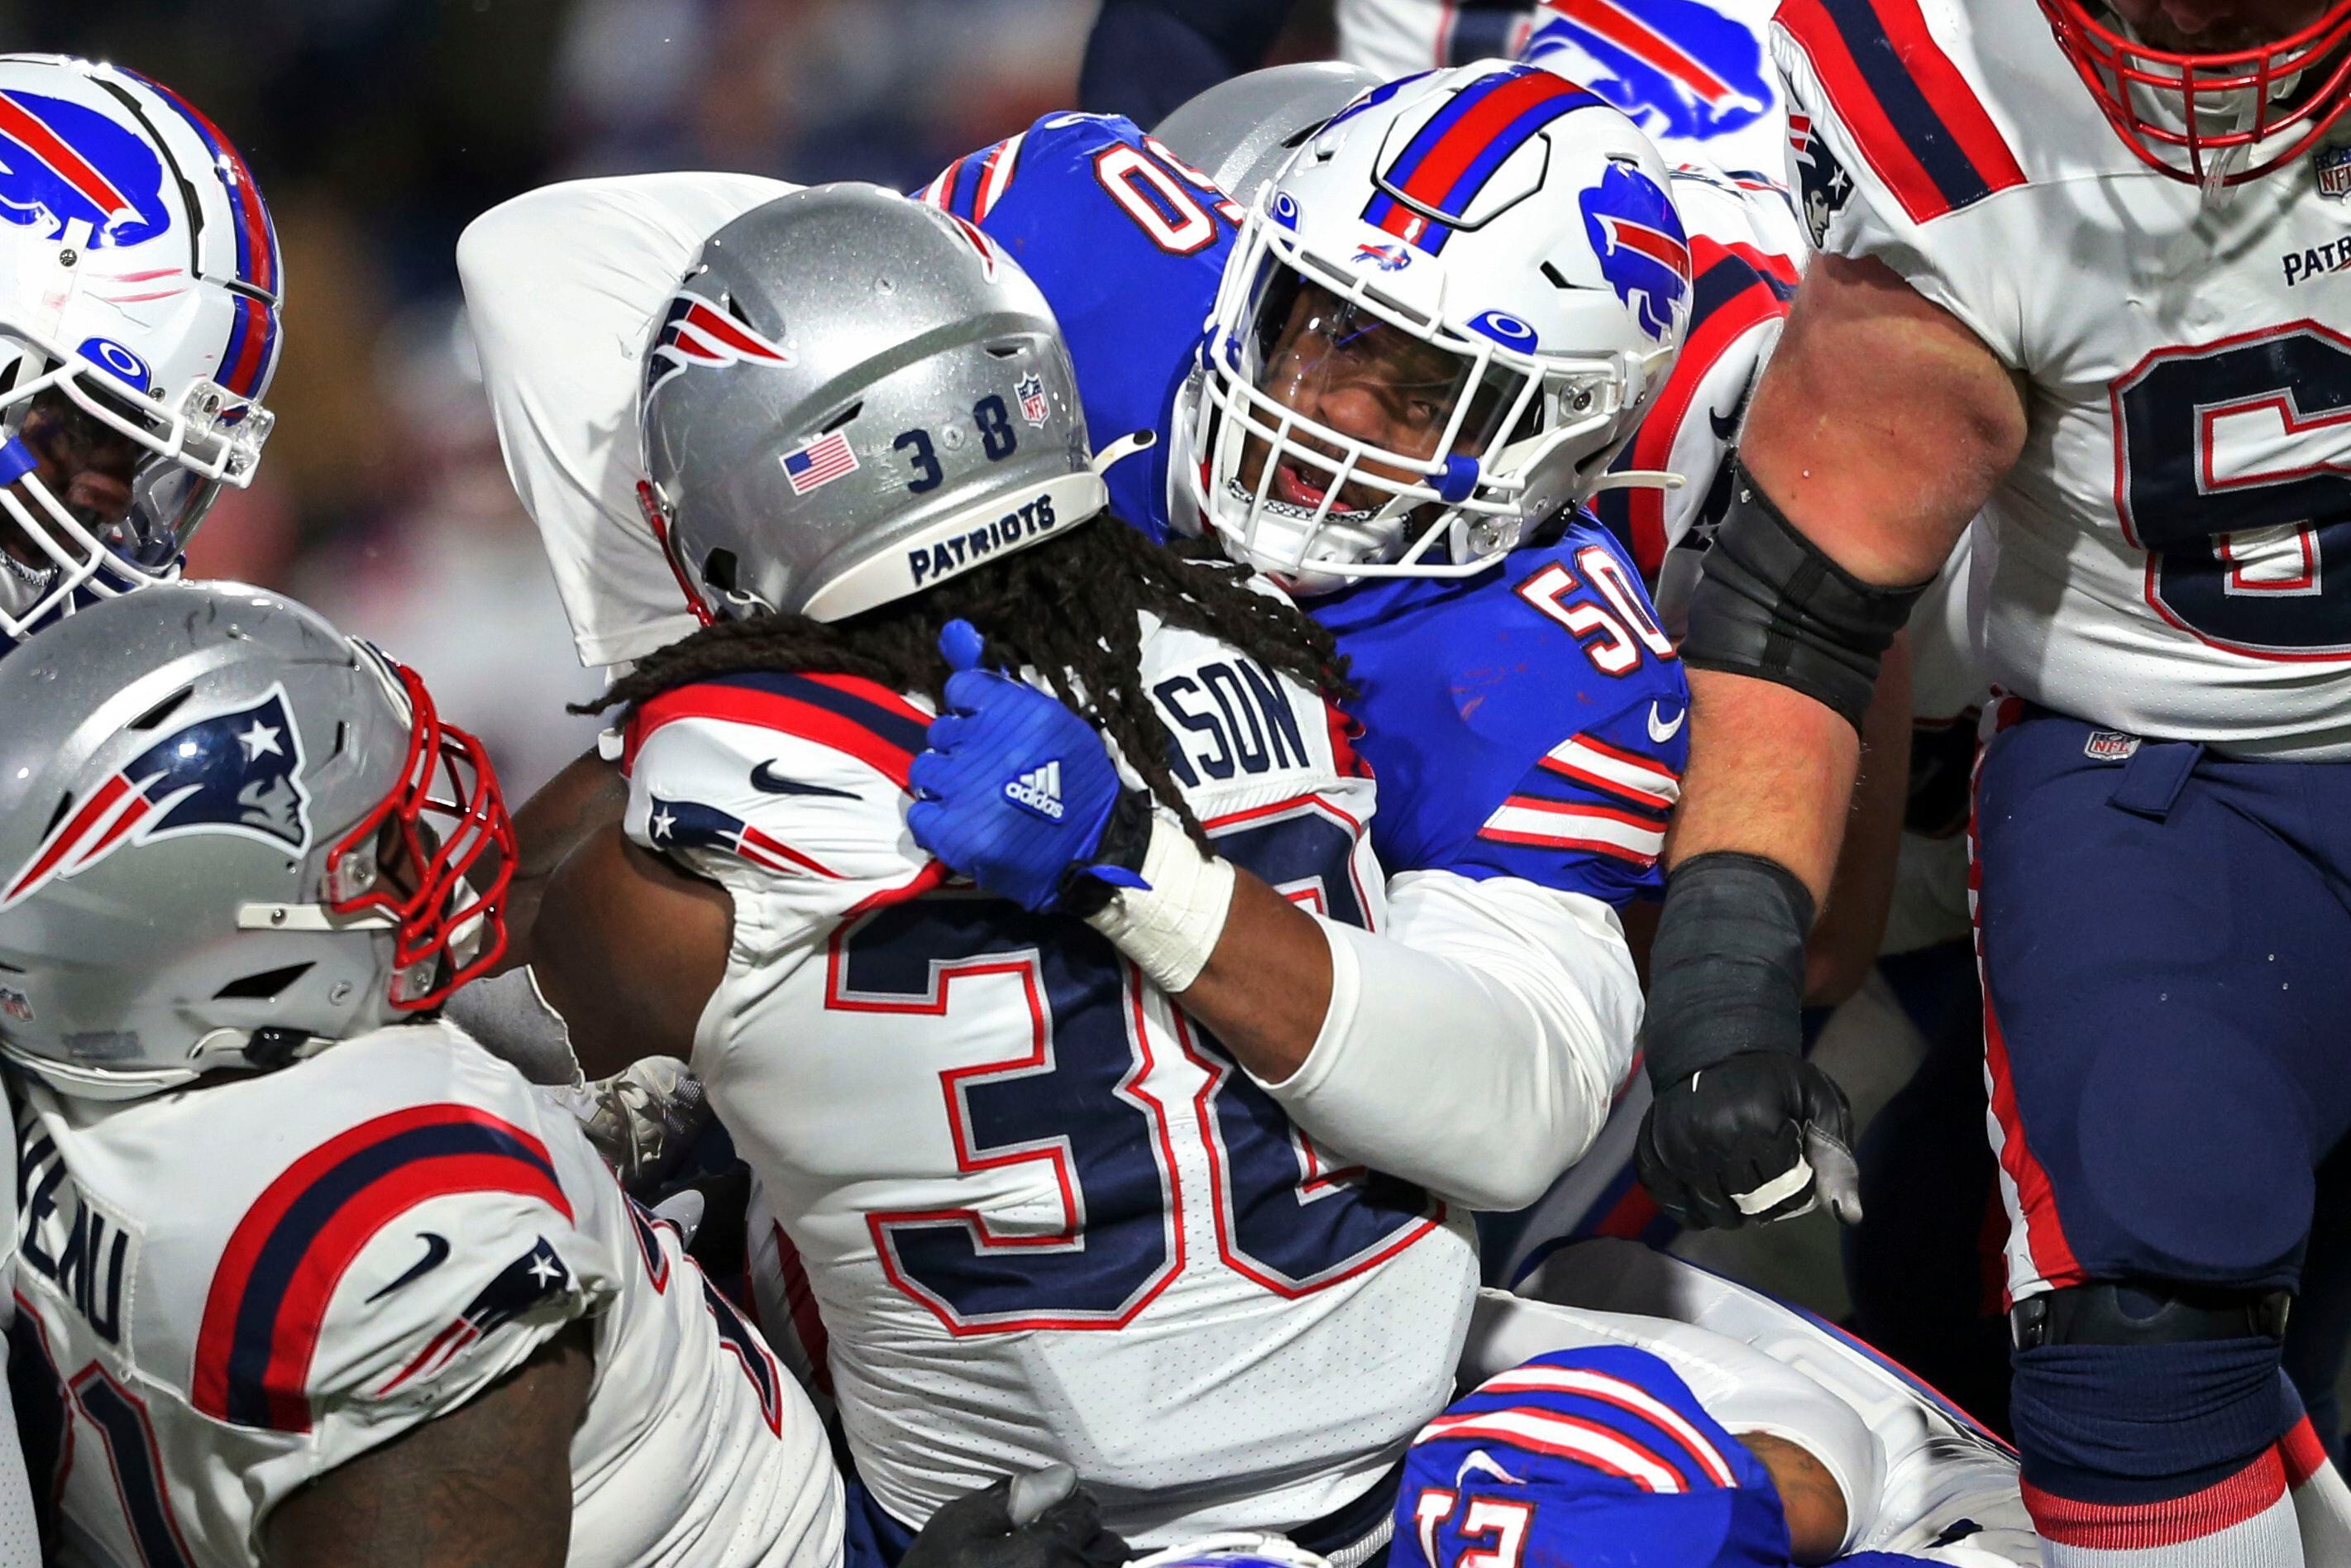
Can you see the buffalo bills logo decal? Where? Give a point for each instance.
(238, 773)
(69, 173)
(698, 331)
(1677, 67)
(1643, 252)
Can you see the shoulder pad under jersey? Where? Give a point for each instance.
(797, 775)
(409, 1258)
(1531, 722)
(1128, 245)
(1745, 253)
(1907, 138)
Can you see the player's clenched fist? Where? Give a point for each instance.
(1742, 1128)
(1016, 792)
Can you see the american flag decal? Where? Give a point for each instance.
(820, 463)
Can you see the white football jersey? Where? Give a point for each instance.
(2159, 561)
(562, 285)
(237, 1288)
(1043, 1217)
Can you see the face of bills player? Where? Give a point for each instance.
(83, 463)
(1345, 368)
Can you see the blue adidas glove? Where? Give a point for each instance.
(1016, 792)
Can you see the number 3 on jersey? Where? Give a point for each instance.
(1087, 1101)
(2233, 473)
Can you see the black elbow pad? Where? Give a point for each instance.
(1769, 604)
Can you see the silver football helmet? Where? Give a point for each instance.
(852, 397)
(1243, 129)
(229, 837)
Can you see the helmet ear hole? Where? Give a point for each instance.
(718, 570)
(266, 986)
(162, 710)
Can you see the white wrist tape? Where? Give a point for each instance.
(1171, 927)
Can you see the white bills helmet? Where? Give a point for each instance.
(1442, 321)
(139, 326)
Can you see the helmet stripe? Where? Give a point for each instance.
(256, 235)
(1443, 169)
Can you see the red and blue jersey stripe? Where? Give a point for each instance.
(253, 336)
(1907, 108)
(972, 186)
(270, 1290)
(867, 721)
(1737, 289)
(1432, 184)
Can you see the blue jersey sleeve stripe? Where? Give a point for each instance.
(1640, 780)
(1661, 1425)
(1601, 830)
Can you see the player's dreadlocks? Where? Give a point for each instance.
(1067, 609)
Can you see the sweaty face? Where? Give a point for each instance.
(1341, 366)
(2216, 27)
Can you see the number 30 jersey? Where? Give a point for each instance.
(1043, 1216)
(2172, 554)
(224, 1292)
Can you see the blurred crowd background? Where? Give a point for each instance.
(378, 128)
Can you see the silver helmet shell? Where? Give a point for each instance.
(1243, 129)
(853, 397)
(215, 845)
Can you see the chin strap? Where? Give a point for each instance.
(1124, 447)
(1640, 480)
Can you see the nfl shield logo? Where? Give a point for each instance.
(1033, 406)
(16, 1004)
(2334, 166)
(2109, 745)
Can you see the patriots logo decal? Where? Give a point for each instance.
(696, 331)
(238, 772)
(1643, 254)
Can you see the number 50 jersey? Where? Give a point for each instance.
(1044, 1216)
(2172, 554)
(226, 1292)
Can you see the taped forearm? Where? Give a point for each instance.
(1475, 1047)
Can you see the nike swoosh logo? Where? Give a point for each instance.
(437, 1253)
(1726, 426)
(1662, 732)
(768, 781)
(1480, 1462)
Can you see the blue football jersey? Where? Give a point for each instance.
(1579, 1457)
(1127, 244)
(1527, 722)
(1531, 721)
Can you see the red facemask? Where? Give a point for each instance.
(459, 867)
(2211, 86)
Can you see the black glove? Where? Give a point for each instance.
(1759, 1135)
(1742, 1128)
(1040, 1520)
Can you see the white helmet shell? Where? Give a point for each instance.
(140, 285)
(1523, 232)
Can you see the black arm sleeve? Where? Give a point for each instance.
(1145, 56)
